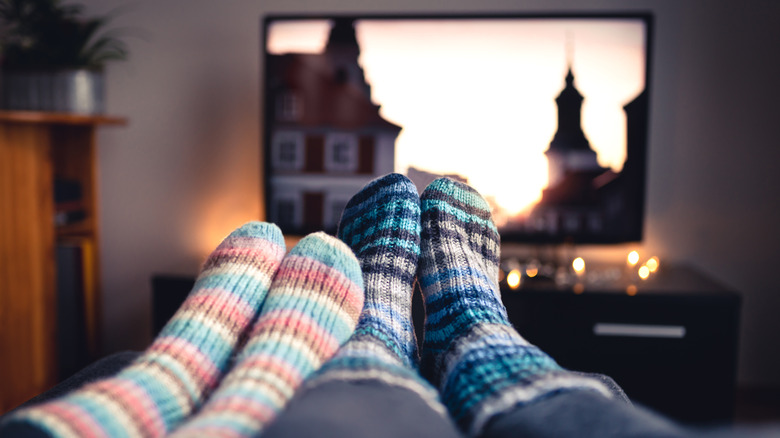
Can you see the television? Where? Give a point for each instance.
(546, 115)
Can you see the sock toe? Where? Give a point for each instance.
(259, 230)
(332, 252)
(386, 206)
(459, 194)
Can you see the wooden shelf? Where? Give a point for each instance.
(37, 148)
(59, 118)
(76, 229)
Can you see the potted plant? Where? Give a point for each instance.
(52, 58)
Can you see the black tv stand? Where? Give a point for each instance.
(671, 342)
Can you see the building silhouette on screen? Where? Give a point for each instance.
(583, 200)
(326, 138)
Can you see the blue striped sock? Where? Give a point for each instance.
(382, 226)
(482, 366)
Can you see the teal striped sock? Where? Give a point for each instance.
(482, 366)
(311, 309)
(186, 361)
(382, 225)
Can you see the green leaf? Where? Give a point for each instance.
(46, 34)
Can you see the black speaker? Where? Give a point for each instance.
(168, 293)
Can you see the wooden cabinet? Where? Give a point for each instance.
(35, 150)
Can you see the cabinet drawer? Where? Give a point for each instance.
(676, 354)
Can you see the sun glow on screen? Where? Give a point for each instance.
(477, 98)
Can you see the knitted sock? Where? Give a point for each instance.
(311, 309)
(185, 362)
(382, 225)
(482, 366)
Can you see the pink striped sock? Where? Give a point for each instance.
(186, 361)
(311, 309)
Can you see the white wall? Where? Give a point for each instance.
(186, 170)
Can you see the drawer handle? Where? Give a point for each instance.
(639, 331)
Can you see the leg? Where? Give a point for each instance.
(100, 369)
(311, 309)
(166, 383)
(585, 414)
(494, 383)
(482, 366)
(352, 409)
(382, 226)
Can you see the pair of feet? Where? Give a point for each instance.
(445, 238)
(268, 317)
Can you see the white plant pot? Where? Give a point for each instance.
(71, 91)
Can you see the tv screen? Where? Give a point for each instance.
(545, 115)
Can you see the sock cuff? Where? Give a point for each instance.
(485, 341)
(511, 372)
(541, 388)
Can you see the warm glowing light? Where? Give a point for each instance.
(531, 271)
(298, 36)
(644, 272)
(513, 279)
(633, 258)
(501, 275)
(579, 265)
(631, 290)
(652, 264)
(578, 288)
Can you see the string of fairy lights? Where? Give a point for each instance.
(575, 274)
